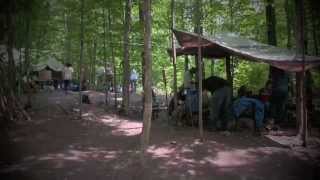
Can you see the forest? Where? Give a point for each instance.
(105, 42)
(52, 28)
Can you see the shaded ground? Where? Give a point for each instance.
(104, 145)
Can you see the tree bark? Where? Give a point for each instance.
(113, 61)
(174, 55)
(272, 38)
(105, 57)
(288, 11)
(126, 60)
(147, 113)
(198, 29)
(301, 103)
(81, 58)
(10, 45)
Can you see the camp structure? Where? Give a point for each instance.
(50, 69)
(227, 45)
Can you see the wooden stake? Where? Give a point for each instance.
(200, 88)
(165, 84)
(228, 72)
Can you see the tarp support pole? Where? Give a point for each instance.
(301, 112)
(212, 67)
(165, 84)
(228, 72)
(199, 61)
(186, 63)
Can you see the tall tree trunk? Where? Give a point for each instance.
(113, 60)
(288, 11)
(199, 29)
(301, 100)
(27, 53)
(126, 54)
(272, 37)
(94, 63)
(174, 55)
(81, 58)
(105, 57)
(147, 112)
(10, 44)
(313, 21)
(271, 23)
(67, 27)
(141, 20)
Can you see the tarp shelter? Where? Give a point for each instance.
(50, 69)
(224, 45)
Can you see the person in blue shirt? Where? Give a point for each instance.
(244, 103)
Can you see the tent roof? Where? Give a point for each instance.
(51, 63)
(224, 45)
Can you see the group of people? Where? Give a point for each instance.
(270, 103)
(67, 72)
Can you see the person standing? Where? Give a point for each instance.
(67, 75)
(133, 80)
(220, 102)
(279, 97)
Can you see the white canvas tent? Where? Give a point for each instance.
(48, 69)
(51, 63)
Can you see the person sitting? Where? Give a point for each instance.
(245, 103)
(219, 103)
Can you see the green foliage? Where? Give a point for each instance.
(252, 75)
(56, 32)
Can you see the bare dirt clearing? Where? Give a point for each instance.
(104, 145)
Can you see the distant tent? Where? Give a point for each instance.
(225, 45)
(50, 63)
(50, 69)
(100, 71)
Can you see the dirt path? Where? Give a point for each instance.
(58, 146)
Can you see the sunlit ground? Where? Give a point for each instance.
(101, 143)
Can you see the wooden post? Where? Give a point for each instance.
(200, 88)
(302, 112)
(228, 72)
(212, 67)
(186, 63)
(174, 55)
(165, 84)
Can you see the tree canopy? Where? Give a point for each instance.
(53, 28)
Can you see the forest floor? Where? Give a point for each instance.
(104, 145)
